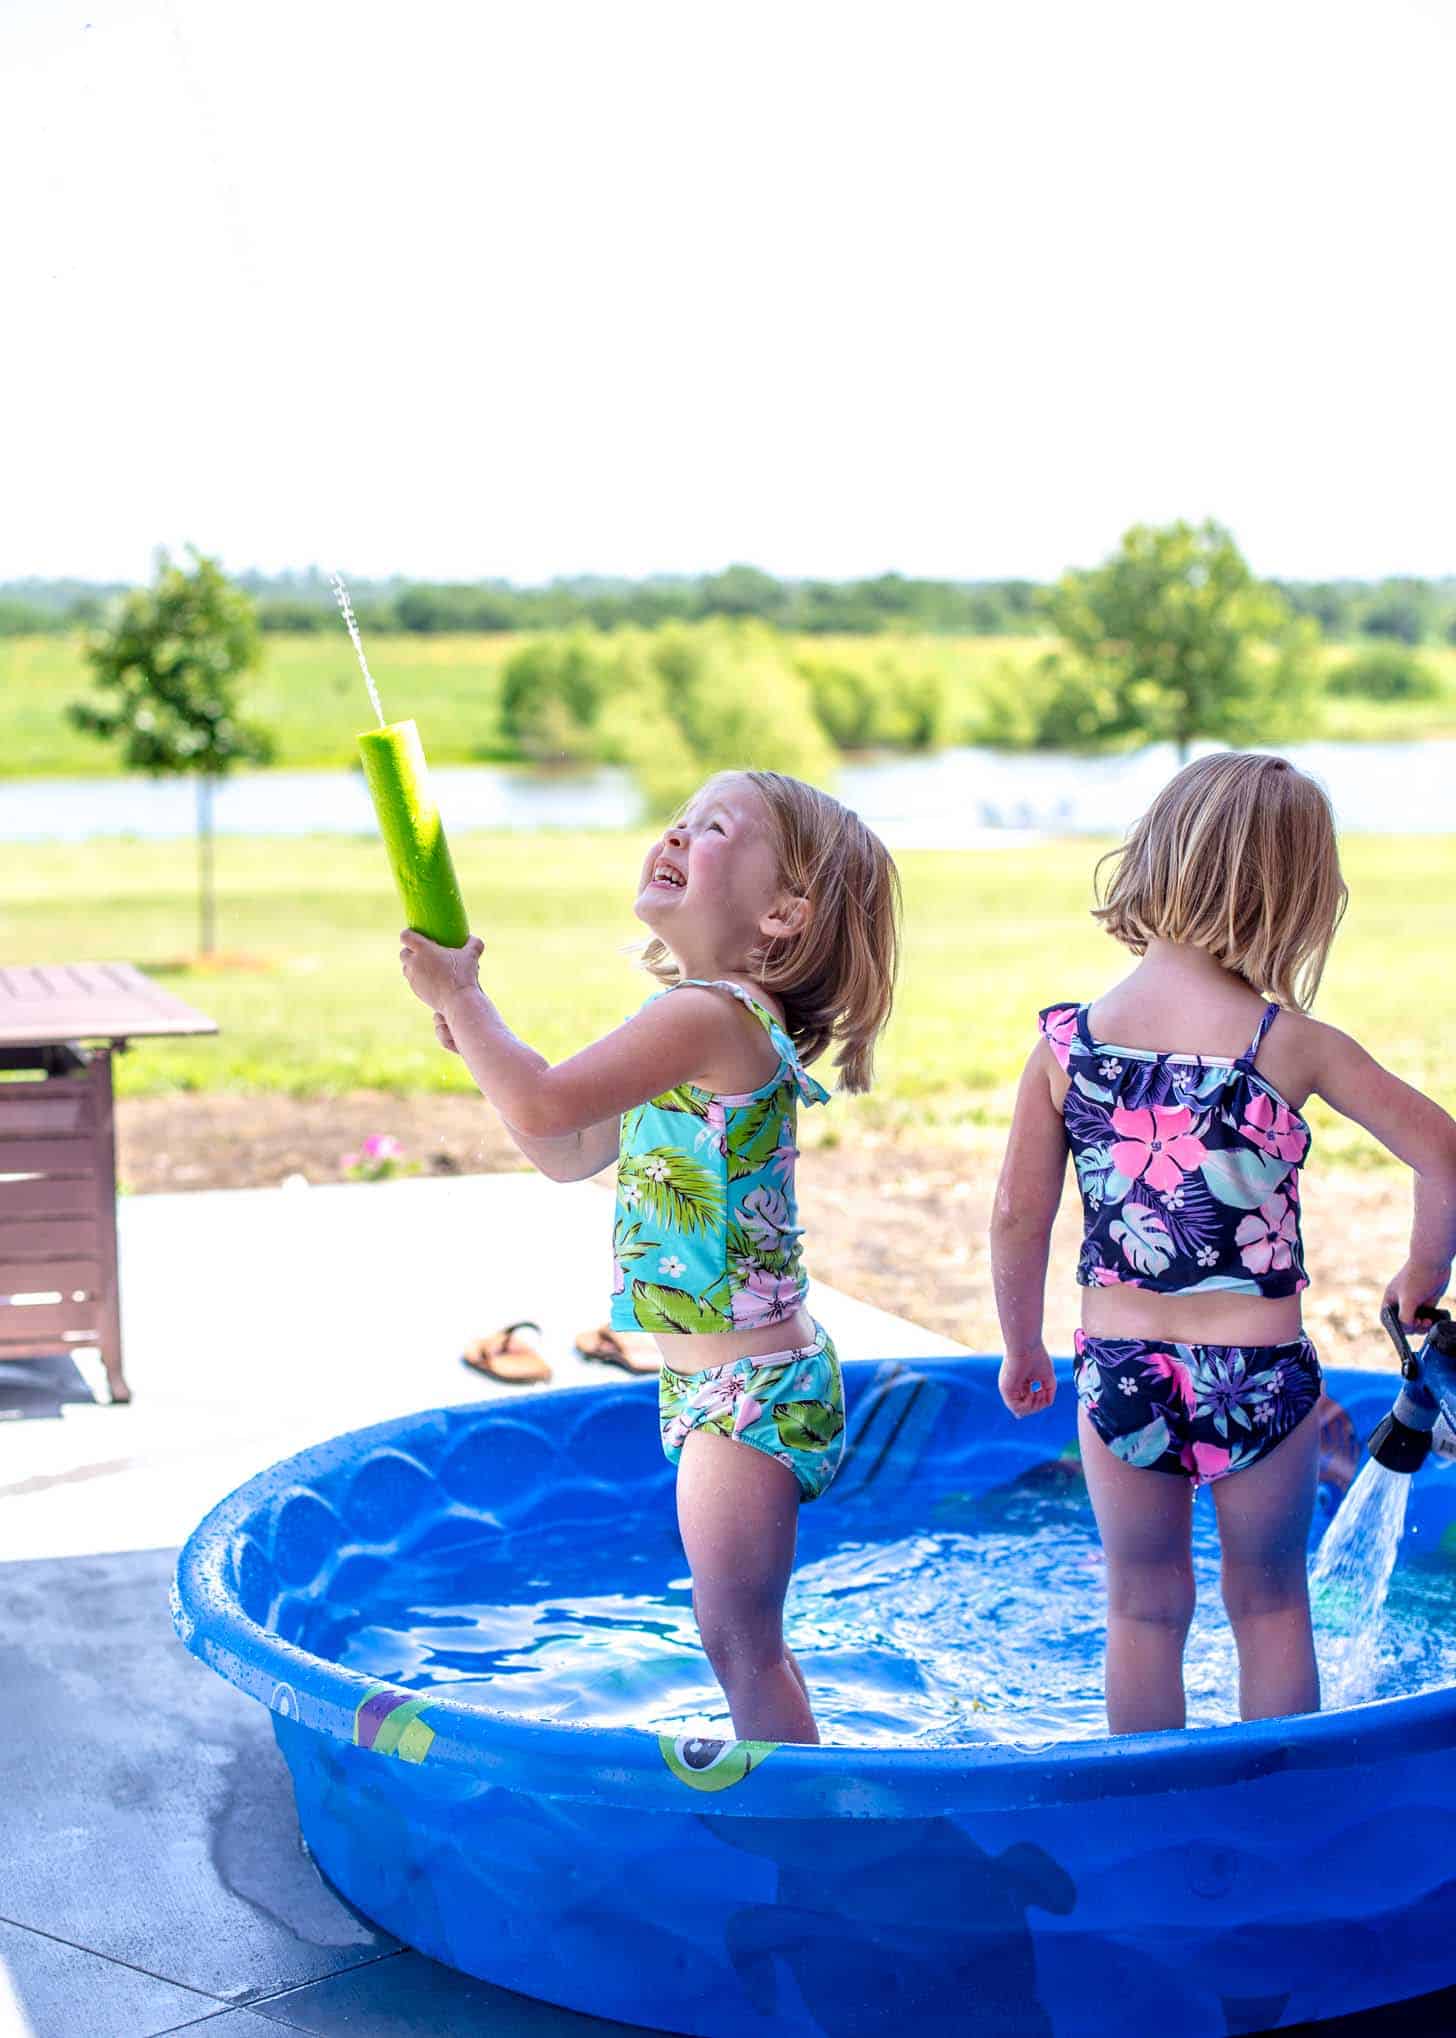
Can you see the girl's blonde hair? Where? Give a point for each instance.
(1236, 856)
(836, 976)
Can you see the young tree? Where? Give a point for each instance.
(1173, 639)
(168, 666)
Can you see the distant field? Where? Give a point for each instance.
(310, 696)
(991, 937)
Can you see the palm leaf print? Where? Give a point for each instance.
(683, 1098)
(807, 1425)
(658, 1307)
(1144, 1237)
(628, 1245)
(675, 1189)
(720, 1297)
(753, 1136)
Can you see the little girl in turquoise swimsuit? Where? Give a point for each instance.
(775, 914)
(1178, 1095)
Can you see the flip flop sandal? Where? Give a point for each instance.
(505, 1356)
(607, 1349)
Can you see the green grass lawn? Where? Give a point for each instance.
(991, 937)
(310, 696)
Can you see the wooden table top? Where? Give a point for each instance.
(48, 1004)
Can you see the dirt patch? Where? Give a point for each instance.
(255, 1142)
(901, 1225)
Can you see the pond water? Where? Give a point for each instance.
(954, 799)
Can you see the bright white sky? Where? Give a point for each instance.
(457, 288)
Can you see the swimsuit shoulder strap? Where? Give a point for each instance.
(1062, 1027)
(812, 1092)
(1270, 1014)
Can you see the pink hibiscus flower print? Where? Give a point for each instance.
(1277, 1131)
(1107, 1277)
(1204, 1461)
(1156, 1144)
(764, 1298)
(1163, 1366)
(1266, 1238)
(1060, 1028)
(718, 1395)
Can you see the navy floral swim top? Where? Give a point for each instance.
(1188, 1166)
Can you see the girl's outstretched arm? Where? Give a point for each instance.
(576, 1156)
(1417, 1131)
(673, 1040)
(570, 1159)
(1025, 1209)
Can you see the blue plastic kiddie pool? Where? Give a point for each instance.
(1227, 1879)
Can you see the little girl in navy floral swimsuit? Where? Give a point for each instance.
(1178, 1095)
(775, 920)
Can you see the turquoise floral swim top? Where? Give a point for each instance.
(707, 1230)
(1188, 1165)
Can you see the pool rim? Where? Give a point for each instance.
(987, 1776)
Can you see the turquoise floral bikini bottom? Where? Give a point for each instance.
(789, 1405)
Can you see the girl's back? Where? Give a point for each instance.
(1179, 1094)
(1188, 1150)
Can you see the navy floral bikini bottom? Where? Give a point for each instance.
(1200, 1411)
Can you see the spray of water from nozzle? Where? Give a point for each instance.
(341, 596)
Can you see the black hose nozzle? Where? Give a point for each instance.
(1402, 1442)
(1398, 1447)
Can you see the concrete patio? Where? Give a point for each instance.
(151, 1876)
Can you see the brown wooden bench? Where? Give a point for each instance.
(58, 1150)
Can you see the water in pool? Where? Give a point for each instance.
(979, 1621)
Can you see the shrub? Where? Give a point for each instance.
(1385, 673)
(673, 704)
(1048, 705)
(638, 731)
(552, 693)
(294, 613)
(430, 608)
(736, 701)
(877, 697)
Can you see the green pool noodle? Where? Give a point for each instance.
(414, 839)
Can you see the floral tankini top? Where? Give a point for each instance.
(1188, 1166)
(707, 1232)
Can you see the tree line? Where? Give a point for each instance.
(1172, 638)
(1404, 610)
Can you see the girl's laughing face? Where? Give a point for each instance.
(711, 878)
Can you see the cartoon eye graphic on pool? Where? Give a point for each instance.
(711, 1765)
